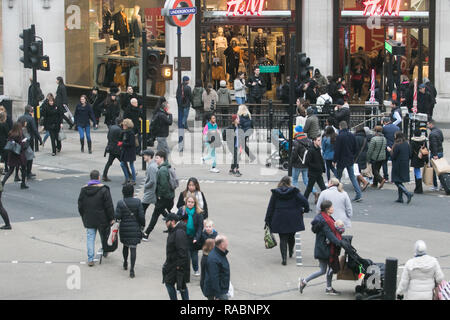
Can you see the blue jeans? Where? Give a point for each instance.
(173, 292)
(183, 114)
(323, 265)
(417, 173)
(352, 177)
(296, 173)
(240, 101)
(88, 133)
(435, 183)
(385, 166)
(330, 167)
(124, 166)
(211, 154)
(91, 233)
(47, 134)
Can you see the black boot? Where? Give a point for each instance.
(400, 196)
(23, 186)
(90, 147)
(283, 250)
(419, 187)
(82, 145)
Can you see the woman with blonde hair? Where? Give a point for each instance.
(246, 122)
(341, 202)
(207, 248)
(128, 151)
(191, 214)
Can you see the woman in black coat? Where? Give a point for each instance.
(362, 147)
(16, 161)
(316, 167)
(53, 116)
(132, 219)
(111, 108)
(327, 247)
(417, 162)
(194, 187)
(62, 100)
(4, 130)
(400, 154)
(285, 215)
(192, 216)
(128, 151)
(83, 115)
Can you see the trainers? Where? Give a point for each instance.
(202, 160)
(145, 237)
(197, 273)
(434, 189)
(214, 170)
(231, 172)
(237, 174)
(357, 199)
(301, 284)
(332, 292)
(91, 263)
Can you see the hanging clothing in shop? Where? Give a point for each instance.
(101, 73)
(260, 47)
(217, 74)
(119, 77)
(109, 74)
(133, 80)
(121, 30)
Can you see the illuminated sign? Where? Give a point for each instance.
(245, 7)
(378, 8)
(167, 71)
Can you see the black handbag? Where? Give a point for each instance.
(13, 146)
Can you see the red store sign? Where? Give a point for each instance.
(245, 7)
(380, 8)
(154, 23)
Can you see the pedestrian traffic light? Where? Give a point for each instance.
(28, 37)
(45, 63)
(154, 64)
(303, 66)
(167, 72)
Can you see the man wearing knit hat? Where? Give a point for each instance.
(234, 136)
(184, 100)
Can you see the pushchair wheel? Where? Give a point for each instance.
(359, 289)
(285, 166)
(359, 296)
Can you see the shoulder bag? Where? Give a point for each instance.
(62, 135)
(13, 147)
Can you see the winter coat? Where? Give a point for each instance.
(312, 95)
(343, 115)
(176, 269)
(341, 203)
(436, 140)
(31, 128)
(389, 133)
(258, 90)
(377, 148)
(312, 127)
(96, 101)
(151, 175)
(315, 162)
(419, 278)
(198, 223)
(239, 88)
(203, 264)
(362, 146)
(224, 97)
(217, 275)
(83, 115)
(181, 203)
(285, 211)
(345, 149)
(197, 101)
(95, 206)
(128, 149)
(416, 144)
(327, 148)
(210, 100)
(112, 111)
(134, 113)
(229, 135)
(132, 218)
(205, 236)
(18, 160)
(164, 121)
(184, 100)
(323, 233)
(114, 136)
(4, 130)
(163, 189)
(53, 116)
(61, 96)
(424, 102)
(246, 122)
(400, 162)
(299, 147)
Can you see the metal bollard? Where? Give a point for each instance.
(298, 249)
(390, 279)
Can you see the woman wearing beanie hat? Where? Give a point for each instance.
(420, 275)
(234, 136)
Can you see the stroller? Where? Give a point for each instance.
(358, 265)
(281, 155)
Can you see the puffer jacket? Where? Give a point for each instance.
(163, 189)
(131, 215)
(377, 148)
(224, 96)
(95, 206)
(420, 276)
(416, 144)
(436, 139)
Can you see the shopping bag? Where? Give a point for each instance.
(269, 238)
(114, 244)
(230, 293)
(345, 273)
(113, 234)
(440, 166)
(61, 135)
(428, 176)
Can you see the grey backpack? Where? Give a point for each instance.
(173, 179)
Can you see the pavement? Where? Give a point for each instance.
(44, 256)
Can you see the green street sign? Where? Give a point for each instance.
(388, 47)
(269, 69)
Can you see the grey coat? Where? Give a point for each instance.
(150, 183)
(312, 127)
(341, 203)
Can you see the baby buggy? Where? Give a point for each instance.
(281, 154)
(370, 288)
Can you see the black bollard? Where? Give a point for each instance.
(390, 279)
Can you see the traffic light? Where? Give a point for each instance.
(154, 64)
(45, 63)
(167, 72)
(303, 66)
(28, 37)
(36, 53)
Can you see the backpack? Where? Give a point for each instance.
(154, 126)
(173, 179)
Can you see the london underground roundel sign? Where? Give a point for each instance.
(179, 13)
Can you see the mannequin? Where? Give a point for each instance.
(260, 45)
(122, 30)
(220, 45)
(234, 57)
(107, 22)
(136, 26)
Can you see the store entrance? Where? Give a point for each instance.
(227, 50)
(362, 49)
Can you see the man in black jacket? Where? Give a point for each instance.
(159, 129)
(217, 273)
(257, 87)
(424, 101)
(433, 93)
(184, 100)
(316, 167)
(34, 135)
(114, 136)
(134, 113)
(97, 212)
(436, 139)
(176, 269)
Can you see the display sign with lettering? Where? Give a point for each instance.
(154, 23)
(381, 7)
(245, 7)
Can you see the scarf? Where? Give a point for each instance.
(190, 228)
(93, 182)
(333, 261)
